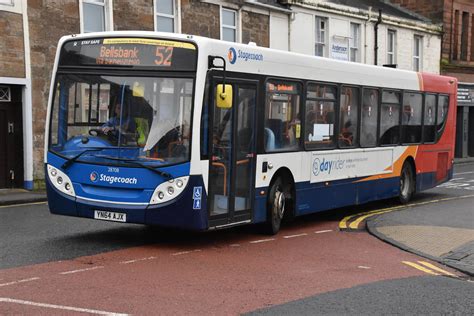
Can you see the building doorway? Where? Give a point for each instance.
(11, 137)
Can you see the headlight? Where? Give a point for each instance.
(61, 181)
(172, 188)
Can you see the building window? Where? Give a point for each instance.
(165, 16)
(229, 25)
(320, 43)
(94, 16)
(354, 42)
(417, 52)
(464, 35)
(5, 94)
(391, 47)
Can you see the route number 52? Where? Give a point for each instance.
(163, 56)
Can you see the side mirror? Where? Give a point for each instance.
(224, 99)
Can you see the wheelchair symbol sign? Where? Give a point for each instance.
(197, 193)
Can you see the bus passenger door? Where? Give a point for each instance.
(232, 165)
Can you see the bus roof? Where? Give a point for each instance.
(271, 62)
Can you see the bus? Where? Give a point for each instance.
(196, 133)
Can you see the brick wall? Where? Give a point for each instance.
(133, 15)
(432, 9)
(255, 28)
(199, 18)
(12, 52)
(48, 21)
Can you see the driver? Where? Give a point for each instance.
(113, 126)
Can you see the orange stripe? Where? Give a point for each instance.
(397, 165)
(420, 81)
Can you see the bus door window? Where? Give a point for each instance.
(320, 116)
(369, 115)
(221, 155)
(390, 118)
(245, 147)
(411, 117)
(282, 117)
(429, 119)
(348, 117)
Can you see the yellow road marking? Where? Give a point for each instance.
(355, 224)
(432, 266)
(421, 268)
(364, 215)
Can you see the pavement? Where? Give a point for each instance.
(20, 196)
(438, 224)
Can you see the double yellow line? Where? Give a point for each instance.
(429, 268)
(356, 219)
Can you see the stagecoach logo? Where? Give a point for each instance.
(316, 166)
(94, 177)
(232, 55)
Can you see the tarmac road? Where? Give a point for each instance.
(60, 265)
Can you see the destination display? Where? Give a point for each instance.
(130, 52)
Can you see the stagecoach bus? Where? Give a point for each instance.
(190, 132)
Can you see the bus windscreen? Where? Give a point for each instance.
(129, 52)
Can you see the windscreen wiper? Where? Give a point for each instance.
(73, 159)
(136, 163)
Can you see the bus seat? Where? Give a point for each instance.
(276, 125)
(269, 139)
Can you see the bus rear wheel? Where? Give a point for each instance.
(407, 183)
(276, 206)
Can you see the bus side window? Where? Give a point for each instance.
(348, 117)
(411, 118)
(429, 119)
(443, 103)
(369, 113)
(320, 116)
(390, 118)
(282, 117)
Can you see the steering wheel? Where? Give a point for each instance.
(96, 132)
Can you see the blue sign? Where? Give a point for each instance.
(197, 204)
(197, 195)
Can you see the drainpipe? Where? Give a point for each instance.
(376, 37)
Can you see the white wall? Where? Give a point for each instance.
(279, 31)
(302, 38)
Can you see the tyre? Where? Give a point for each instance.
(407, 183)
(276, 206)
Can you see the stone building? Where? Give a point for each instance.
(336, 29)
(30, 33)
(457, 58)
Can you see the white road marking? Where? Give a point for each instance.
(137, 260)
(261, 240)
(323, 231)
(19, 281)
(81, 270)
(293, 236)
(468, 172)
(363, 267)
(234, 245)
(185, 252)
(23, 204)
(62, 307)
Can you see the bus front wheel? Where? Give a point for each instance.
(276, 206)
(407, 183)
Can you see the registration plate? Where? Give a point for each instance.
(110, 216)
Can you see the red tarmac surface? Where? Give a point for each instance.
(214, 273)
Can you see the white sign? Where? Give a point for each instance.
(340, 48)
(350, 164)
